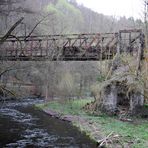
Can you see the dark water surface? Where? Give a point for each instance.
(23, 126)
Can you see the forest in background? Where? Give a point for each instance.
(62, 16)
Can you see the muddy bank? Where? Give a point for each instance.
(101, 129)
(91, 129)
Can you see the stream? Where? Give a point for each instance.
(23, 126)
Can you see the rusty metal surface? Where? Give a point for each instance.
(71, 47)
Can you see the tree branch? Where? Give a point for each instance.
(11, 69)
(10, 30)
(37, 25)
(8, 91)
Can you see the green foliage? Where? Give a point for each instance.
(73, 107)
(101, 78)
(67, 8)
(73, 16)
(136, 134)
(51, 8)
(66, 14)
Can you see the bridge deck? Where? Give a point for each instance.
(72, 47)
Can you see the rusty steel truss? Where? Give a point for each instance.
(72, 47)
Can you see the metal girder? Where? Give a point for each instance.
(70, 47)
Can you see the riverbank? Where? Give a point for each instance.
(103, 129)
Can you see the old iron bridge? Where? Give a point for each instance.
(72, 47)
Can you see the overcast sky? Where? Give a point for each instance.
(117, 8)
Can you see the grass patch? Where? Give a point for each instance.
(73, 107)
(136, 134)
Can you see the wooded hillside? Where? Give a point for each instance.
(65, 16)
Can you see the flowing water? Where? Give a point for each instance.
(23, 126)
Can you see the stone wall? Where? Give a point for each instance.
(123, 89)
(115, 98)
